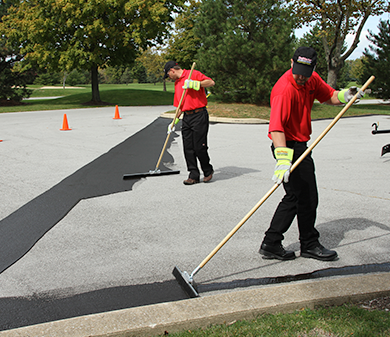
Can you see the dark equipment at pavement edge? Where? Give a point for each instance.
(157, 171)
(386, 148)
(185, 280)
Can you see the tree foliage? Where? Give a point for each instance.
(63, 35)
(337, 19)
(376, 61)
(246, 46)
(13, 82)
(313, 39)
(153, 60)
(184, 44)
(357, 69)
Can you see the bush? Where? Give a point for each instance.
(48, 79)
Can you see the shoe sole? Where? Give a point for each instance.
(326, 258)
(188, 184)
(271, 256)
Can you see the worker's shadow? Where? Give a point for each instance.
(138, 154)
(332, 235)
(230, 172)
(334, 232)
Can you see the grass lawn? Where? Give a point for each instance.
(152, 94)
(345, 320)
(112, 94)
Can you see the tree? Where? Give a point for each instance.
(246, 46)
(313, 39)
(63, 35)
(112, 75)
(139, 72)
(153, 60)
(376, 61)
(126, 76)
(45, 78)
(184, 44)
(357, 69)
(13, 81)
(337, 19)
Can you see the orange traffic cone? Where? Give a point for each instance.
(117, 113)
(65, 126)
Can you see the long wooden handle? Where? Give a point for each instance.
(176, 114)
(335, 120)
(273, 189)
(182, 95)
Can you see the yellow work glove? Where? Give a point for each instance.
(284, 156)
(190, 84)
(171, 126)
(346, 95)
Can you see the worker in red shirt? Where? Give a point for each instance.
(195, 124)
(292, 99)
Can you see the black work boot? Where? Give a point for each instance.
(276, 252)
(319, 252)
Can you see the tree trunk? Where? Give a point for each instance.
(64, 79)
(335, 63)
(332, 77)
(95, 85)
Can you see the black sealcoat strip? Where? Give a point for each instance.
(16, 312)
(23, 228)
(322, 273)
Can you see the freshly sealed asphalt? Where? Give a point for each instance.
(76, 239)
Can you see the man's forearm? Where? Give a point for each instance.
(278, 138)
(207, 83)
(333, 100)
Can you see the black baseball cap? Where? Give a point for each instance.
(168, 66)
(305, 60)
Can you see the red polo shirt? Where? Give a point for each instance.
(291, 105)
(192, 99)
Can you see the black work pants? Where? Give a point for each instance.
(194, 132)
(301, 200)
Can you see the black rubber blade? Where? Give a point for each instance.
(184, 282)
(148, 174)
(385, 149)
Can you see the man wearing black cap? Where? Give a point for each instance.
(289, 129)
(195, 125)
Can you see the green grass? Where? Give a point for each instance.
(152, 94)
(345, 320)
(320, 111)
(112, 94)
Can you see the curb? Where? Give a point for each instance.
(201, 312)
(213, 119)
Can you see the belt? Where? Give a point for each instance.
(190, 112)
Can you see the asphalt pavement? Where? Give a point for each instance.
(109, 260)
